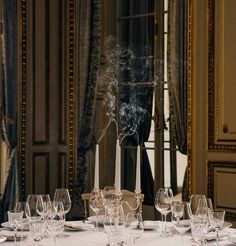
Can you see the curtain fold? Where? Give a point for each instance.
(177, 72)
(89, 43)
(10, 102)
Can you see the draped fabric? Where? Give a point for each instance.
(177, 71)
(9, 103)
(89, 40)
(139, 38)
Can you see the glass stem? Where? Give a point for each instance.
(15, 231)
(96, 220)
(217, 237)
(164, 231)
(54, 240)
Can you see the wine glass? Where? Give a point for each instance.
(114, 225)
(96, 203)
(33, 203)
(134, 225)
(180, 218)
(14, 216)
(216, 219)
(55, 224)
(63, 195)
(42, 203)
(163, 201)
(197, 201)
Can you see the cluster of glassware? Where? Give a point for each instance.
(122, 220)
(198, 214)
(42, 216)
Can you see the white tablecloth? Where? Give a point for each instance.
(91, 238)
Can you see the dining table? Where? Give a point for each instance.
(88, 236)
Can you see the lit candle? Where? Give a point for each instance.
(117, 167)
(96, 171)
(138, 167)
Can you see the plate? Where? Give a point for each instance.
(9, 235)
(100, 219)
(25, 227)
(232, 238)
(226, 225)
(78, 226)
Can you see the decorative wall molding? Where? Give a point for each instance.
(221, 88)
(221, 186)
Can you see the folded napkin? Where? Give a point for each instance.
(150, 224)
(78, 225)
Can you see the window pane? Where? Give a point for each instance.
(136, 7)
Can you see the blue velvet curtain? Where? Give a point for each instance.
(9, 102)
(89, 31)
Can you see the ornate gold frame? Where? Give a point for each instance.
(211, 166)
(189, 91)
(213, 145)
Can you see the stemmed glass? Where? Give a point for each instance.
(37, 225)
(63, 195)
(96, 203)
(163, 201)
(197, 201)
(134, 225)
(55, 224)
(13, 217)
(180, 218)
(216, 219)
(43, 201)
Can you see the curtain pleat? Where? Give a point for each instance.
(177, 75)
(89, 43)
(10, 103)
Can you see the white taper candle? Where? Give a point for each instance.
(96, 170)
(117, 167)
(138, 171)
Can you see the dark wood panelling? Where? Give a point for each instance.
(47, 102)
(40, 173)
(62, 170)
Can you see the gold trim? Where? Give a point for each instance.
(211, 166)
(72, 97)
(213, 73)
(189, 91)
(23, 93)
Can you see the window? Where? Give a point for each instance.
(142, 27)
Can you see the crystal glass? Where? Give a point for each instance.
(163, 201)
(96, 203)
(14, 217)
(180, 218)
(134, 225)
(55, 224)
(42, 202)
(23, 223)
(37, 230)
(216, 219)
(33, 203)
(114, 225)
(63, 195)
(199, 229)
(197, 201)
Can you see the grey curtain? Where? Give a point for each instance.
(89, 43)
(9, 102)
(177, 72)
